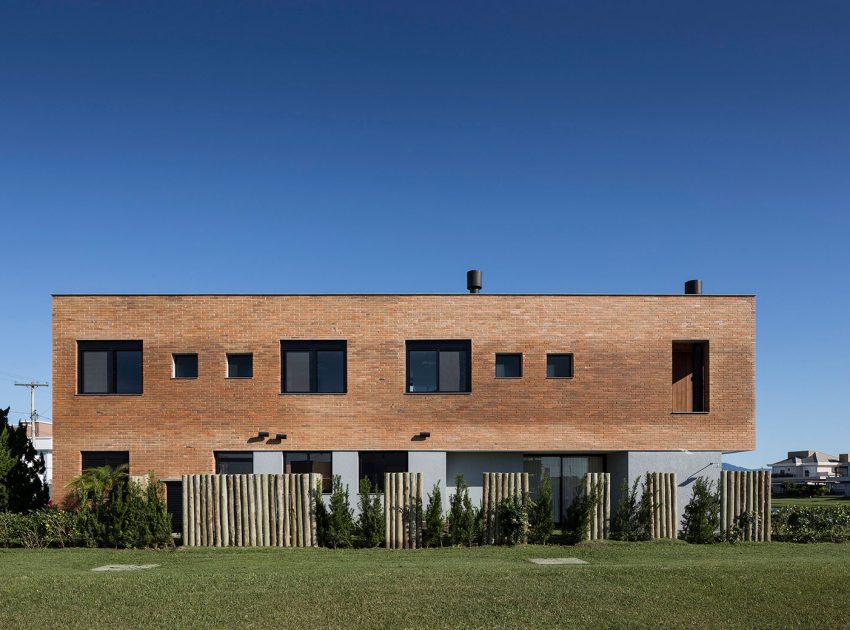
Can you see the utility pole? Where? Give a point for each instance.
(33, 413)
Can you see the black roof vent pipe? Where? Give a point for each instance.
(693, 287)
(473, 280)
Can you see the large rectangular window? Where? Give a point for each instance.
(234, 463)
(311, 463)
(240, 365)
(565, 473)
(373, 465)
(313, 367)
(98, 459)
(438, 366)
(690, 376)
(109, 367)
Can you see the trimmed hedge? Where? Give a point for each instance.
(810, 524)
(47, 527)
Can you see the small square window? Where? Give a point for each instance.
(559, 366)
(509, 365)
(240, 366)
(185, 365)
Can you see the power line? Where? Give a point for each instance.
(33, 385)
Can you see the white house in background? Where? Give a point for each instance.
(43, 443)
(812, 468)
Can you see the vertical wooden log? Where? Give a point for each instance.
(389, 497)
(387, 516)
(210, 515)
(485, 506)
(399, 502)
(405, 514)
(278, 504)
(263, 504)
(420, 508)
(202, 508)
(184, 534)
(233, 515)
(723, 501)
(308, 511)
(299, 509)
(316, 493)
(284, 506)
(252, 510)
(216, 510)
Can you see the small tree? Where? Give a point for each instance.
(435, 524)
(578, 514)
(701, 521)
(541, 522)
(462, 515)
(21, 467)
(370, 522)
(321, 516)
(340, 516)
(513, 520)
(633, 518)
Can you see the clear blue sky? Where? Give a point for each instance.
(370, 147)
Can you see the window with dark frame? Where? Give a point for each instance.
(98, 459)
(234, 463)
(313, 367)
(373, 465)
(439, 367)
(690, 377)
(559, 365)
(240, 365)
(318, 462)
(509, 365)
(185, 365)
(109, 367)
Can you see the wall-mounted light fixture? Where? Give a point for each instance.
(424, 434)
(280, 436)
(263, 435)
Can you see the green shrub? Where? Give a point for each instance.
(463, 522)
(370, 522)
(541, 522)
(435, 524)
(129, 516)
(577, 517)
(321, 511)
(47, 527)
(740, 526)
(340, 517)
(513, 520)
(809, 524)
(633, 519)
(701, 521)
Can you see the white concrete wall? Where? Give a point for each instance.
(268, 462)
(473, 466)
(432, 465)
(688, 465)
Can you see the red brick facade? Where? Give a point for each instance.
(619, 399)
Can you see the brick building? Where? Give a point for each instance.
(355, 385)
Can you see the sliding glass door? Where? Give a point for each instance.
(565, 473)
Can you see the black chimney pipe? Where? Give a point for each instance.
(473, 280)
(693, 287)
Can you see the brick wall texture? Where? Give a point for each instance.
(619, 399)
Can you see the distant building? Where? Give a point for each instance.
(43, 443)
(812, 468)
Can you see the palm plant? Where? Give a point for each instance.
(96, 484)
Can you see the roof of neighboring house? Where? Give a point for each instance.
(797, 458)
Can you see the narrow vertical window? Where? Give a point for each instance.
(690, 376)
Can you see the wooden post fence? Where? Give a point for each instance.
(403, 500)
(663, 505)
(497, 488)
(746, 493)
(250, 510)
(600, 521)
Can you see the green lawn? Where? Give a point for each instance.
(779, 502)
(665, 584)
